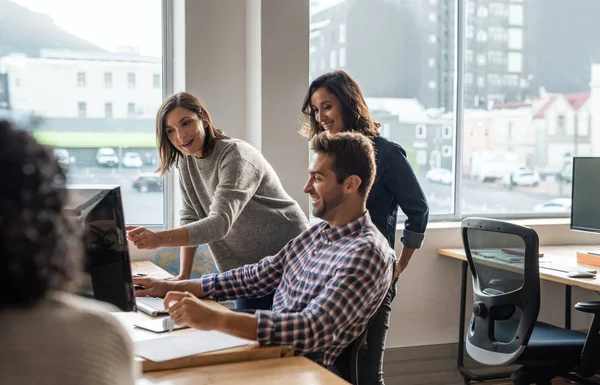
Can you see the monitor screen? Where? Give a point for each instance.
(107, 269)
(585, 198)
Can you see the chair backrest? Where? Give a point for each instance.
(503, 259)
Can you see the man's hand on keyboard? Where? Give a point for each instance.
(151, 287)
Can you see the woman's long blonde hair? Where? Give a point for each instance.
(168, 154)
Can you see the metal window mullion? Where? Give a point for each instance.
(459, 49)
(167, 89)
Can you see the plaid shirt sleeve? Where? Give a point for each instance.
(346, 298)
(249, 281)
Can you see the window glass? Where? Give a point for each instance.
(84, 78)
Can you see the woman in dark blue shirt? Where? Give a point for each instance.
(335, 102)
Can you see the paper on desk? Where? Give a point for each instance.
(186, 344)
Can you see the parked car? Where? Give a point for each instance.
(524, 177)
(439, 175)
(132, 160)
(146, 182)
(558, 205)
(106, 157)
(63, 157)
(566, 173)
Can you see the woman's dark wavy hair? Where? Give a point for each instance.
(355, 112)
(39, 250)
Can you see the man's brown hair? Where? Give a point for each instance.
(352, 154)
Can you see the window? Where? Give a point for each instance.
(131, 80)
(81, 109)
(482, 36)
(515, 62)
(515, 14)
(447, 132)
(515, 38)
(108, 80)
(469, 56)
(131, 110)
(342, 33)
(498, 33)
(498, 9)
(560, 123)
(342, 57)
(80, 79)
(108, 110)
(333, 59)
(446, 151)
(403, 96)
(156, 81)
(470, 31)
(421, 131)
(79, 102)
(496, 57)
(505, 55)
(481, 59)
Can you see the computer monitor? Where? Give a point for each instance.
(107, 270)
(585, 197)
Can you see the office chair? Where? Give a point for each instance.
(503, 260)
(347, 365)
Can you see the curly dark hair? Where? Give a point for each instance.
(355, 112)
(39, 251)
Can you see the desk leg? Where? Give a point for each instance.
(567, 307)
(469, 376)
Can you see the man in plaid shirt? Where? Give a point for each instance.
(328, 281)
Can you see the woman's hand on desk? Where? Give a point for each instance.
(152, 287)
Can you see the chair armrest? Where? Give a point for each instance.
(588, 307)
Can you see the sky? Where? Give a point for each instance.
(107, 23)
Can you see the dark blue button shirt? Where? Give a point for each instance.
(396, 185)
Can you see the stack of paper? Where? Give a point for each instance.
(186, 344)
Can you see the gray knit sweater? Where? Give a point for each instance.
(64, 340)
(234, 202)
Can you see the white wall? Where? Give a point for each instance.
(426, 309)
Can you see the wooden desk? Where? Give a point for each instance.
(288, 371)
(244, 353)
(562, 257)
(149, 269)
(554, 256)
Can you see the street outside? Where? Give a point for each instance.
(478, 197)
(140, 208)
(493, 198)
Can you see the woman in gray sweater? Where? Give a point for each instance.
(232, 198)
(48, 336)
